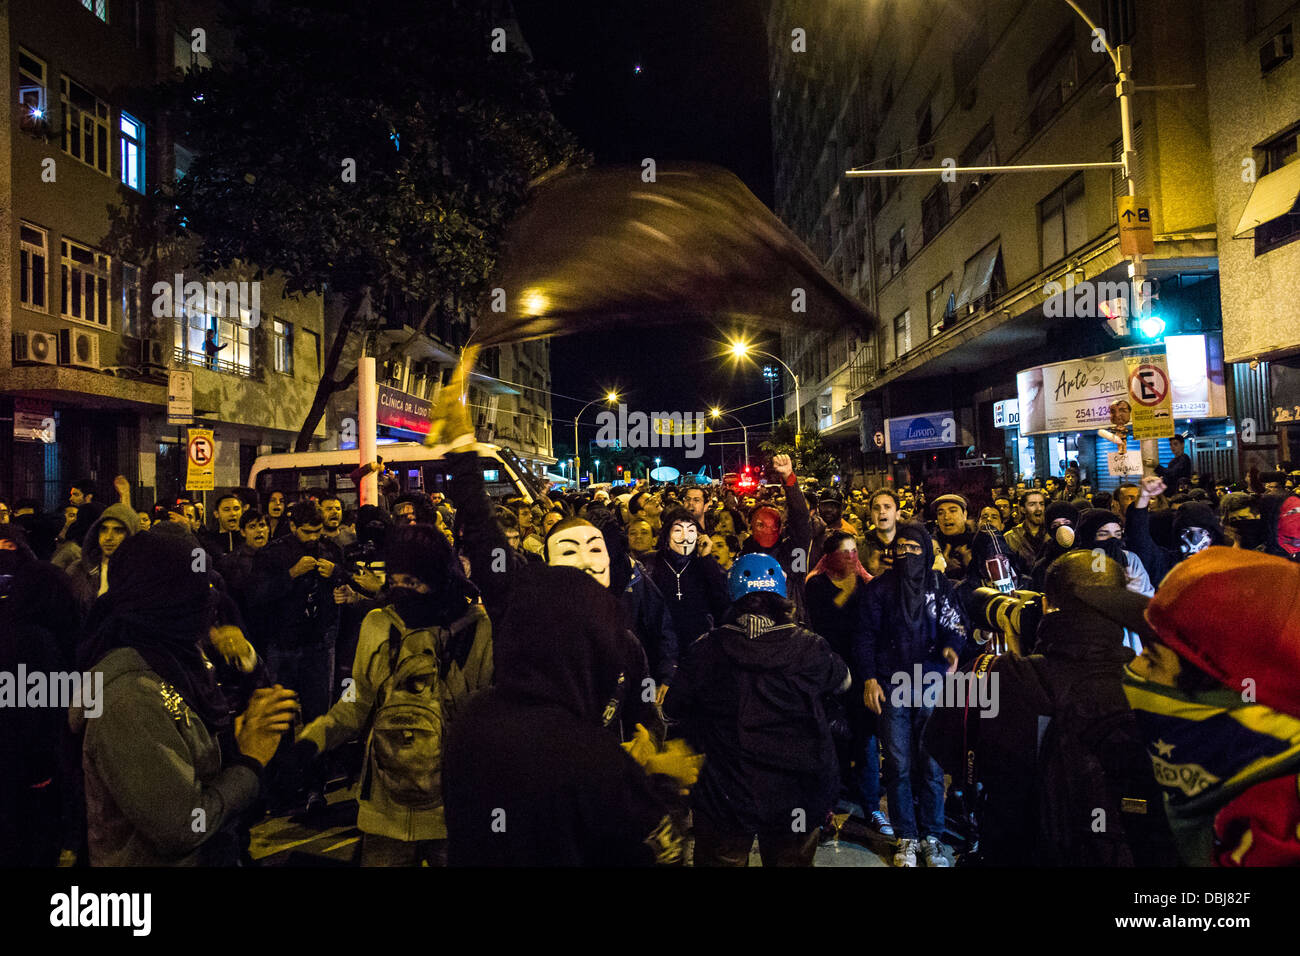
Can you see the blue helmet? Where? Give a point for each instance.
(756, 572)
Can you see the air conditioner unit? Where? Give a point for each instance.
(79, 348)
(1276, 50)
(37, 348)
(153, 353)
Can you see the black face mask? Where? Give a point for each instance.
(1114, 549)
(415, 608)
(1250, 530)
(11, 562)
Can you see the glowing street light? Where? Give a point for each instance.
(611, 397)
(742, 349)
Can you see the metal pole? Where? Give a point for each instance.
(577, 461)
(368, 412)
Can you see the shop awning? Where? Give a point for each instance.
(978, 276)
(1273, 196)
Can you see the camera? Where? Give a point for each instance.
(1014, 614)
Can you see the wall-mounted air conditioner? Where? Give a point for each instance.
(79, 348)
(36, 348)
(153, 354)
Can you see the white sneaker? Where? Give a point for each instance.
(880, 823)
(905, 855)
(932, 851)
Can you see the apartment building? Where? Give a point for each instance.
(84, 350)
(1253, 80)
(978, 278)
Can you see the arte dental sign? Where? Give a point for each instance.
(397, 409)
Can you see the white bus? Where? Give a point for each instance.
(416, 466)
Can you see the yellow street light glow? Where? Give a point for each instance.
(739, 349)
(534, 302)
(612, 396)
(714, 412)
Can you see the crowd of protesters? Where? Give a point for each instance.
(656, 675)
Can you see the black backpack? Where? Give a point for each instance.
(1098, 803)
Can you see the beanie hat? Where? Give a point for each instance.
(420, 551)
(1197, 515)
(1061, 509)
(756, 572)
(955, 499)
(1090, 522)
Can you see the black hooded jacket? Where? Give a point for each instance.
(750, 695)
(531, 776)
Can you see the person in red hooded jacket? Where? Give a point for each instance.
(1216, 693)
(790, 542)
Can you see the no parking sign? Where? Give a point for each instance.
(201, 460)
(1149, 392)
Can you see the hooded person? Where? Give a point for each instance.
(420, 658)
(41, 808)
(1280, 517)
(1194, 526)
(912, 622)
(532, 775)
(1053, 740)
(694, 587)
(647, 613)
(1059, 521)
(1214, 694)
(91, 573)
(69, 550)
(789, 542)
(834, 594)
(1101, 530)
(163, 742)
(751, 696)
(577, 542)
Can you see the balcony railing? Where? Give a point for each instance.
(186, 357)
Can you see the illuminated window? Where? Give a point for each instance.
(132, 132)
(33, 93)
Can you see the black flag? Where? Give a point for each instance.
(600, 246)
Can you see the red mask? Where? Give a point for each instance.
(840, 563)
(1288, 526)
(766, 527)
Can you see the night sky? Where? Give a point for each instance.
(702, 95)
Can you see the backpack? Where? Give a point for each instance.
(1098, 804)
(404, 748)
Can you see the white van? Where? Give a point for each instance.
(416, 466)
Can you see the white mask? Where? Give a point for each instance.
(681, 538)
(581, 546)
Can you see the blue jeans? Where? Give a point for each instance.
(308, 669)
(913, 780)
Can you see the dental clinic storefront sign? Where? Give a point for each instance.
(1076, 395)
(1071, 396)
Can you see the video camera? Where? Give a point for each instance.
(1014, 615)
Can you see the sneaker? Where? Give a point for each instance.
(316, 803)
(905, 855)
(932, 851)
(880, 823)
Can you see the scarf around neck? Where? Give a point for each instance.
(1208, 749)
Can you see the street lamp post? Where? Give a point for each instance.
(577, 460)
(718, 413)
(742, 349)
